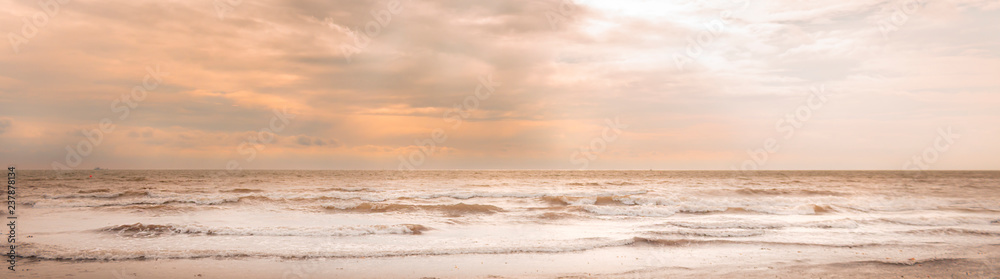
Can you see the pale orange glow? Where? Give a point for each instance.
(699, 85)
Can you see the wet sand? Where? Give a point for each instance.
(734, 261)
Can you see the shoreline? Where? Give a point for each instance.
(274, 268)
(724, 261)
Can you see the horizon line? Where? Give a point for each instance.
(514, 169)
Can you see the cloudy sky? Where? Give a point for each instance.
(295, 84)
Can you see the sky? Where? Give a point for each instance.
(534, 84)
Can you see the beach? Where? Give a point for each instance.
(508, 224)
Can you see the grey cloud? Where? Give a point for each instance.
(4, 125)
(597, 63)
(304, 140)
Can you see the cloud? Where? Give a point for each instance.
(303, 140)
(562, 70)
(319, 142)
(4, 125)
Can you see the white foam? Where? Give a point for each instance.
(139, 230)
(630, 210)
(53, 252)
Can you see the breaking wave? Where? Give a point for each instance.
(449, 209)
(139, 230)
(787, 192)
(662, 211)
(954, 231)
(52, 252)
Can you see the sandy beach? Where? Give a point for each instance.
(522, 266)
(508, 224)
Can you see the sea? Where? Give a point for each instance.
(500, 223)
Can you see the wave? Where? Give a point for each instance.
(102, 190)
(662, 211)
(102, 199)
(99, 194)
(787, 192)
(936, 221)
(705, 205)
(954, 231)
(896, 204)
(844, 223)
(780, 204)
(768, 203)
(689, 242)
(764, 225)
(630, 211)
(130, 202)
(914, 261)
(454, 210)
(139, 230)
(51, 252)
(804, 209)
(570, 200)
(555, 216)
(347, 189)
(711, 233)
(242, 190)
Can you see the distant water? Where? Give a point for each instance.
(891, 217)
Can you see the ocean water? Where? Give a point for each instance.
(319, 224)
